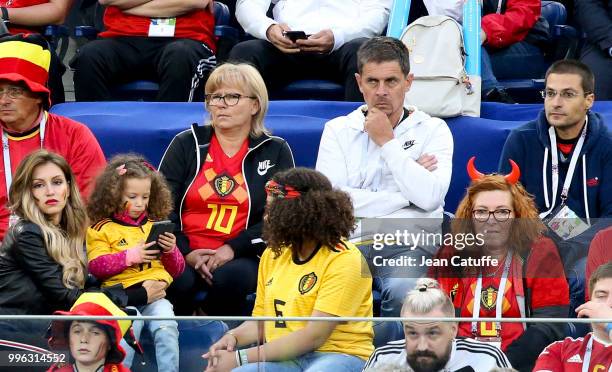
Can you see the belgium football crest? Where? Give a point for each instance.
(488, 297)
(224, 185)
(307, 282)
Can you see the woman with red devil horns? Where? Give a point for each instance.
(523, 276)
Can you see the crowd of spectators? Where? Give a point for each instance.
(247, 221)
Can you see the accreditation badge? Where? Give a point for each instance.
(162, 27)
(565, 222)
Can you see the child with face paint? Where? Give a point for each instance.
(129, 195)
(93, 345)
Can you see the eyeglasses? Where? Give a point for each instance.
(565, 94)
(230, 99)
(483, 215)
(12, 92)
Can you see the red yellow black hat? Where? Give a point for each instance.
(88, 304)
(26, 58)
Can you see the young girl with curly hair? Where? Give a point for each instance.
(129, 195)
(308, 269)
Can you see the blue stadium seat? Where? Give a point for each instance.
(146, 90)
(310, 89)
(148, 128)
(527, 90)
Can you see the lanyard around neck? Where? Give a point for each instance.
(555, 163)
(500, 294)
(6, 153)
(587, 355)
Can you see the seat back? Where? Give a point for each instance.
(527, 90)
(554, 12)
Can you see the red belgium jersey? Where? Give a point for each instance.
(217, 202)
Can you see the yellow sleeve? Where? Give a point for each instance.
(97, 244)
(344, 287)
(259, 308)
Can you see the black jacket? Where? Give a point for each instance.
(30, 280)
(183, 160)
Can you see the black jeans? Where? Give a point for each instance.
(232, 283)
(601, 64)
(180, 66)
(56, 86)
(279, 69)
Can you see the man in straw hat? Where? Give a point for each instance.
(26, 124)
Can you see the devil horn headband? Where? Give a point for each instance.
(511, 177)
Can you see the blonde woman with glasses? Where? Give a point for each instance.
(217, 174)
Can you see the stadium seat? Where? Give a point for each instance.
(58, 37)
(527, 90)
(148, 128)
(146, 90)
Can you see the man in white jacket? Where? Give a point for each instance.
(395, 162)
(333, 30)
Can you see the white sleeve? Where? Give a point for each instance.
(450, 8)
(251, 14)
(423, 188)
(372, 20)
(331, 161)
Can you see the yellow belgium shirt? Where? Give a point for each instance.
(331, 281)
(108, 237)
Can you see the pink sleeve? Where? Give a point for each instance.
(173, 262)
(107, 265)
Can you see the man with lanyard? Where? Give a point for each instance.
(169, 41)
(26, 124)
(394, 161)
(593, 353)
(433, 346)
(565, 157)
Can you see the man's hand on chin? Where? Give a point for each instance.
(378, 126)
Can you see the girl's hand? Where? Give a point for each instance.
(221, 360)
(227, 342)
(141, 254)
(167, 241)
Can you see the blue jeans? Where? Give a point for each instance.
(518, 61)
(165, 336)
(311, 362)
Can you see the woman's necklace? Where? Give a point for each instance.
(499, 265)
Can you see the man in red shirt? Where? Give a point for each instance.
(26, 16)
(599, 252)
(593, 353)
(26, 124)
(169, 41)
